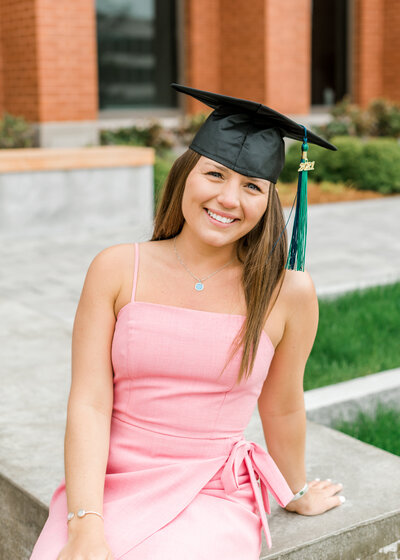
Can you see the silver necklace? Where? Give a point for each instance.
(199, 286)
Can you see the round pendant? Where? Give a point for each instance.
(199, 286)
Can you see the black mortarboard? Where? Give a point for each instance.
(247, 137)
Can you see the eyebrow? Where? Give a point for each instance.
(218, 166)
(226, 169)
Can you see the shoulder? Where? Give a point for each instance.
(298, 284)
(110, 259)
(115, 263)
(299, 297)
(107, 268)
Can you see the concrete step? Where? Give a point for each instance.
(343, 401)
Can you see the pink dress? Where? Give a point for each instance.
(181, 480)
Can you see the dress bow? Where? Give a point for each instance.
(262, 467)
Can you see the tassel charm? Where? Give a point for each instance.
(297, 249)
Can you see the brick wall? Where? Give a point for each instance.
(1, 72)
(202, 49)
(391, 51)
(376, 31)
(49, 59)
(66, 39)
(19, 83)
(258, 50)
(288, 62)
(243, 49)
(368, 50)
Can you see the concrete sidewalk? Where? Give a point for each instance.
(353, 244)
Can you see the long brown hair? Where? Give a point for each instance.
(263, 266)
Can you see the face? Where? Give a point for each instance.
(221, 205)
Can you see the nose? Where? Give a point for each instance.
(228, 195)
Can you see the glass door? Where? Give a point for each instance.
(136, 42)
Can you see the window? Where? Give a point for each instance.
(136, 42)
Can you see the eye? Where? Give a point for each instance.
(215, 174)
(253, 185)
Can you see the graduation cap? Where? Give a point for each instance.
(247, 137)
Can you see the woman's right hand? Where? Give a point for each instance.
(321, 497)
(84, 545)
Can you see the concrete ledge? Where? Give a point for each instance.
(364, 527)
(368, 520)
(355, 543)
(56, 190)
(22, 518)
(44, 159)
(344, 400)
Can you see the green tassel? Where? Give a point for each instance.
(297, 249)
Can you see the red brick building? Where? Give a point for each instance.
(64, 65)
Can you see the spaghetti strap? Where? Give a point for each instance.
(135, 274)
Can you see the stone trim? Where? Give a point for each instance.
(45, 159)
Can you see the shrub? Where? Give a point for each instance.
(154, 136)
(385, 118)
(15, 132)
(292, 159)
(190, 125)
(381, 118)
(162, 166)
(379, 166)
(315, 153)
(341, 166)
(366, 165)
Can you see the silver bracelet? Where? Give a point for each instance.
(82, 513)
(300, 493)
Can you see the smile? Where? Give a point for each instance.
(219, 218)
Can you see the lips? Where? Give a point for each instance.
(217, 222)
(223, 214)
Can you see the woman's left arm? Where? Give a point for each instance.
(281, 402)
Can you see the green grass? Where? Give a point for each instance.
(382, 429)
(162, 165)
(358, 334)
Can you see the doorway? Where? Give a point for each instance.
(136, 43)
(329, 60)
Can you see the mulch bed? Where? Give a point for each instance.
(320, 193)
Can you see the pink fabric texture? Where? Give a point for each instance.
(181, 481)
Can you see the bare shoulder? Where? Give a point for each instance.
(298, 288)
(299, 300)
(108, 266)
(111, 259)
(113, 268)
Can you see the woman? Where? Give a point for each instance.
(175, 341)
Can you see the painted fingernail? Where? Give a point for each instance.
(317, 479)
(342, 499)
(340, 484)
(329, 479)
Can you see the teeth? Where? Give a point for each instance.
(220, 218)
